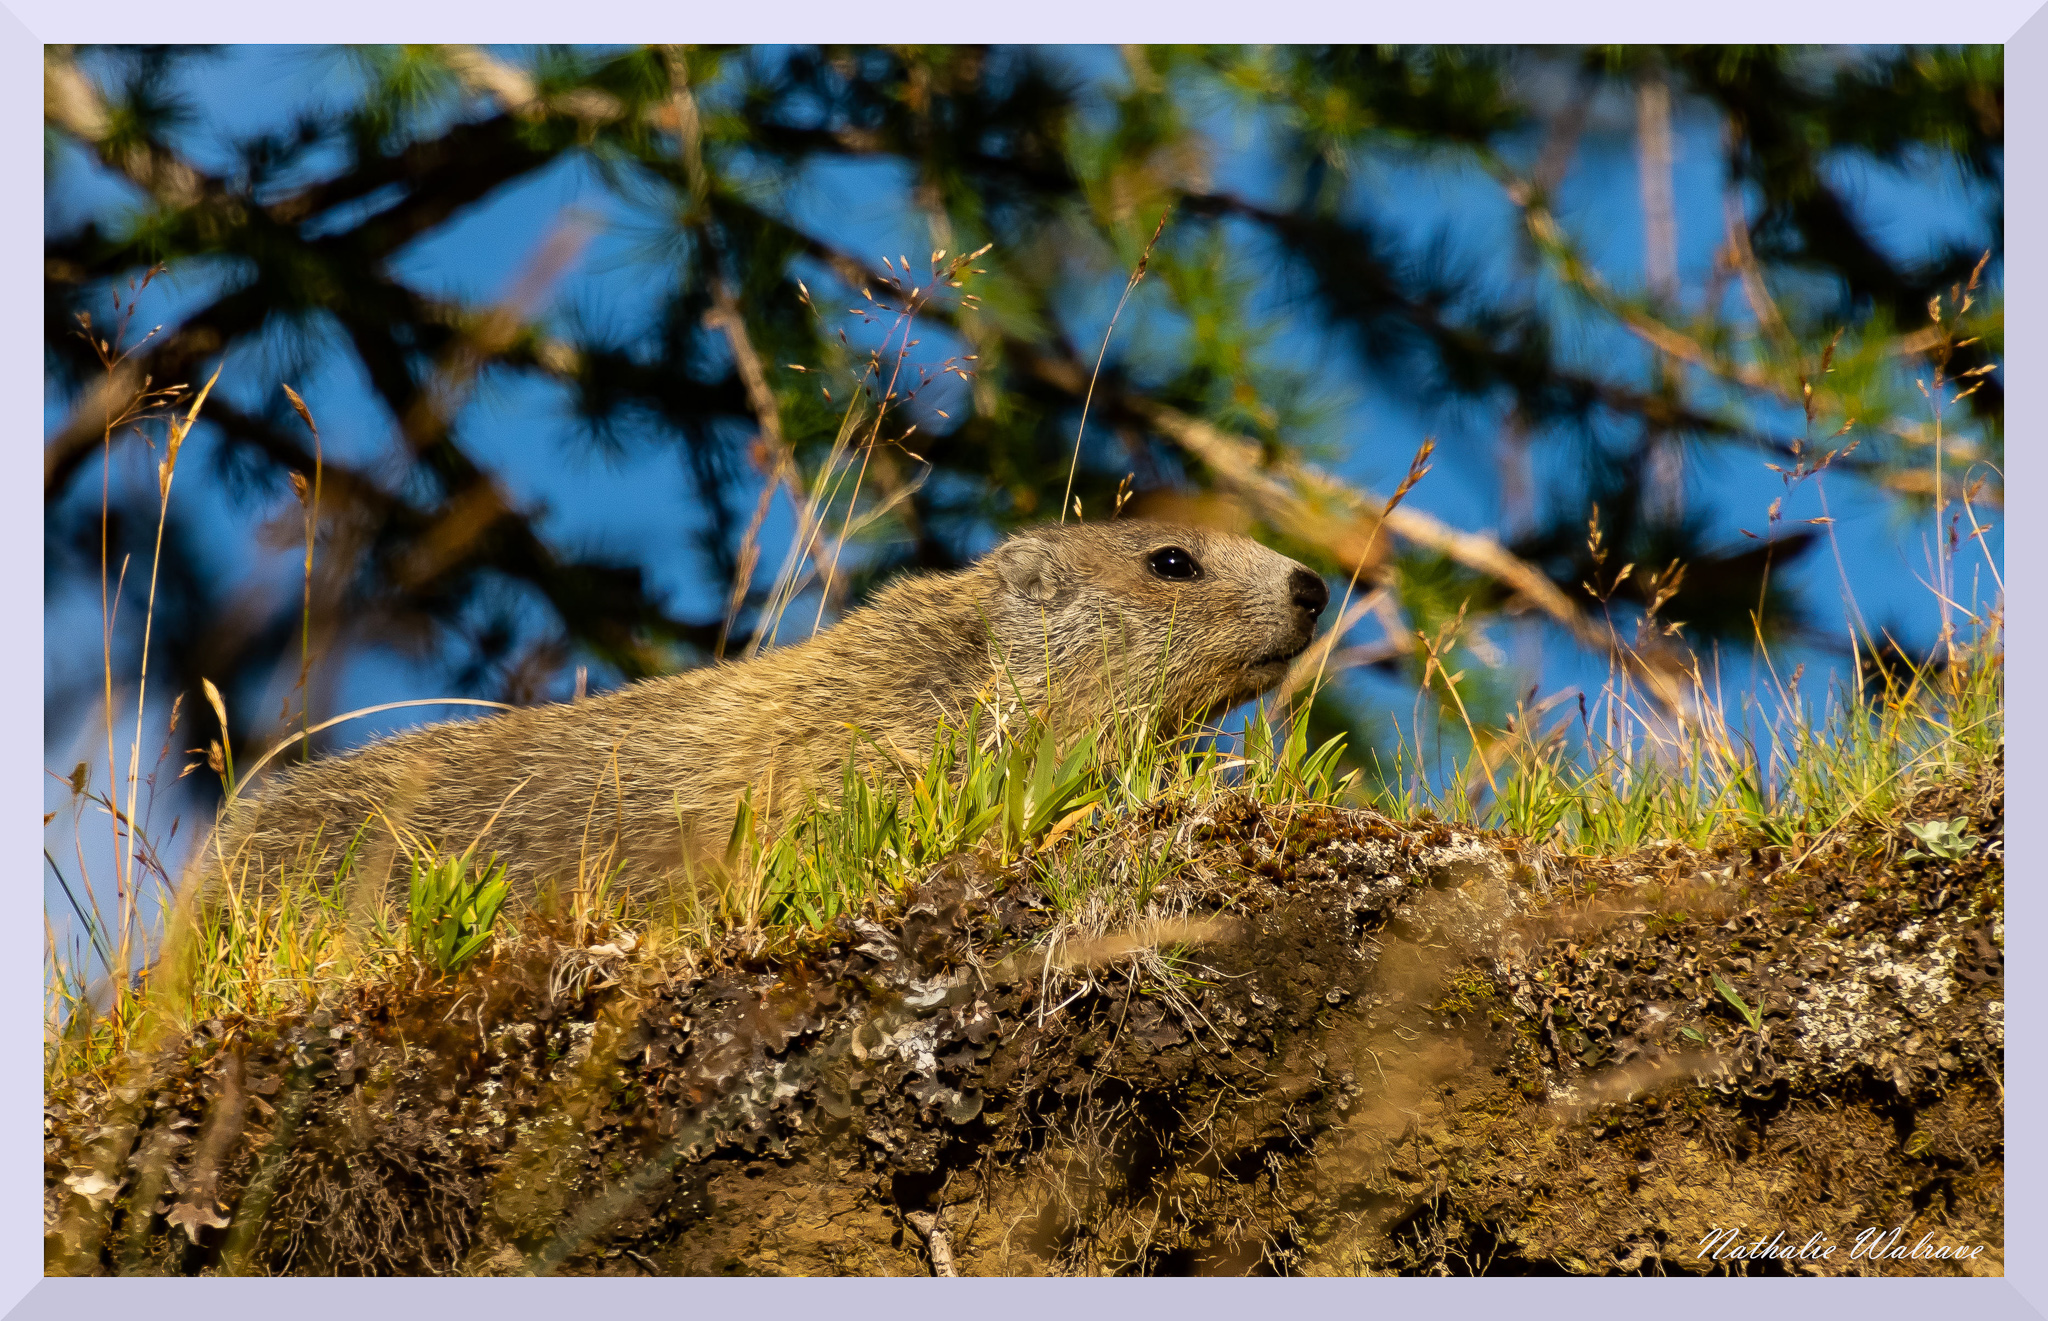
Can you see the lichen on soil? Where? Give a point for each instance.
(1323, 1043)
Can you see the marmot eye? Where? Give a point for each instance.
(1173, 562)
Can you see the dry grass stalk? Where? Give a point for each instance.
(1418, 468)
(309, 500)
(815, 508)
(1130, 285)
(779, 468)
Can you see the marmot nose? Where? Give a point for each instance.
(1310, 592)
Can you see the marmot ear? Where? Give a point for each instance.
(1027, 569)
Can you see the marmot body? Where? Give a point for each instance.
(1087, 622)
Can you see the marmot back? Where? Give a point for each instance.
(1086, 622)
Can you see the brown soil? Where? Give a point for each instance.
(1334, 1045)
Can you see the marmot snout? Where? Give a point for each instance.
(1091, 624)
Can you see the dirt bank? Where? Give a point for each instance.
(1300, 1042)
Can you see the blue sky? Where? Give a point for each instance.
(637, 503)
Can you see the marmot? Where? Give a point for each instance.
(1085, 622)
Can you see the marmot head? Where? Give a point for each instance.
(1183, 619)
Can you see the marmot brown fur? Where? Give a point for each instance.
(1089, 622)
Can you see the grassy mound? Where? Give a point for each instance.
(1049, 1014)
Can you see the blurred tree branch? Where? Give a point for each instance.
(302, 241)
